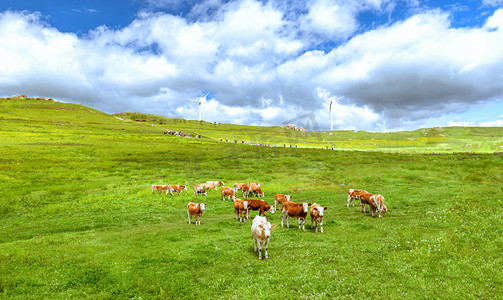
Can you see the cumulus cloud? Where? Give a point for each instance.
(263, 64)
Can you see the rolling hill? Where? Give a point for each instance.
(78, 218)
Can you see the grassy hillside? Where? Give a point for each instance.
(78, 218)
(438, 140)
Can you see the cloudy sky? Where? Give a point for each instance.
(399, 64)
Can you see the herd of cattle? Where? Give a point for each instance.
(261, 228)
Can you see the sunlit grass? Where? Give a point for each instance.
(78, 218)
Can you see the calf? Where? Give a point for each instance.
(354, 194)
(317, 215)
(198, 189)
(240, 207)
(280, 198)
(195, 209)
(176, 188)
(293, 209)
(261, 232)
(260, 205)
(227, 191)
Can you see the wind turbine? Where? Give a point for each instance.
(331, 101)
(200, 100)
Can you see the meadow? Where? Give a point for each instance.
(78, 218)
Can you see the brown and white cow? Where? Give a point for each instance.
(209, 186)
(354, 194)
(227, 191)
(195, 209)
(160, 187)
(238, 186)
(216, 183)
(198, 189)
(255, 190)
(379, 204)
(260, 205)
(297, 210)
(240, 208)
(317, 215)
(280, 198)
(176, 188)
(375, 202)
(261, 232)
(244, 190)
(254, 185)
(365, 200)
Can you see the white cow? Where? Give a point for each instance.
(261, 232)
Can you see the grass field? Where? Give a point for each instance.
(78, 218)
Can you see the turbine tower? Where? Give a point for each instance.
(200, 100)
(331, 101)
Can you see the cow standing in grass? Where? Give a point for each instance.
(355, 194)
(375, 202)
(227, 191)
(198, 189)
(240, 208)
(260, 205)
(176, 188)
(317, 215)
(195, 209)
(297, 210)
(216, 183)
(280, 198)
(237, 187)
(160, 187)
(209, 186)
(261, 232)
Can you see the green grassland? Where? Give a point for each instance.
(78, 218)
(438, 140)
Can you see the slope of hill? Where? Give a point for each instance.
(443, 140)
(78, 218)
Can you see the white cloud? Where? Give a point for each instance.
(261, 65)
(330, 20)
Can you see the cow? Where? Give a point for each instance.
(280, 198)
(240, 207)
(216, 183)
(198, 189)
(354, 194)
(293, 209)
(158, 187)
(261, 232)
(238, 186)
(255, 190)
(317, 215)
(244, 190)
(254, 185)
(227, 191)
(260, 205)
(175, 188)
(375, 202)
(209, 186)
(378, 201)
(195, 209)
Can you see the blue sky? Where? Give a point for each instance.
(400, 65)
